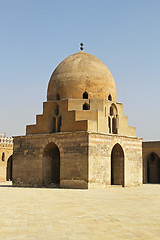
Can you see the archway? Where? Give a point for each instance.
(9, 168)
(153, 168)
(117, 165)
(51, 164)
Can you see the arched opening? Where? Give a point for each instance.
(86, 106)
(113, 110)
(113, 128)
(56, 110)
(153, 168)
(53, 125)
(57, 96)
(59, 123)
(109, 97)
(85, 95)
(117, 165)
(56, 120)
(3, 157)
(114, 125)
(9, 168)
(51, 165)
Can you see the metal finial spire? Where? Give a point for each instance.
(81, 46)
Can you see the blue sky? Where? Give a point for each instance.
(35, 36)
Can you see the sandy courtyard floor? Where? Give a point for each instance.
(112, 214)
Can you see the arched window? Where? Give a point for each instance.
(3, 156)
(113, 110)
(85, 95)
(114, 120)
(109, 97)
(86, 106)
(114, 125)
(57, 97)
(53, 125)
(56, 110)
(59, 123)
(56, 120)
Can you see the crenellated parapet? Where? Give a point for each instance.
(6, 141)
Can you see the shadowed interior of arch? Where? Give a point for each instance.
(51, 164)
(57, 96)
(117, 165)
(85, 95)
(9, 168)
(153, 168)
(109, 97)
(114, 119)
(86, 106)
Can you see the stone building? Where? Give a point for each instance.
(82, 139)
(151, 162)
(6, 151)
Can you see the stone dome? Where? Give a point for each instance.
(78, 74)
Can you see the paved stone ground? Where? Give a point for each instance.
(112, 214)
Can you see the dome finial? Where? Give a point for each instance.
(81, 46)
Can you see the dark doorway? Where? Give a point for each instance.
(153, 168)
(9, 168)
(51, 164)
(117, 165)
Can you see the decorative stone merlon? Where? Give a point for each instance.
(6, 140)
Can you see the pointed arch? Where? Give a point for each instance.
(59, 122)
(114, 119)
(86, 106)
(85, 95)
(56, 110)
(57, 96)
(152, 168)
(109, 97)
(51, 164)
(117, 165)
(9, 168)
(113, 110)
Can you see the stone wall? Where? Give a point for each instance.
(85, 159)
(100, 149)
(29, 159)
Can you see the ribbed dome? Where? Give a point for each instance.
(79, 73)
